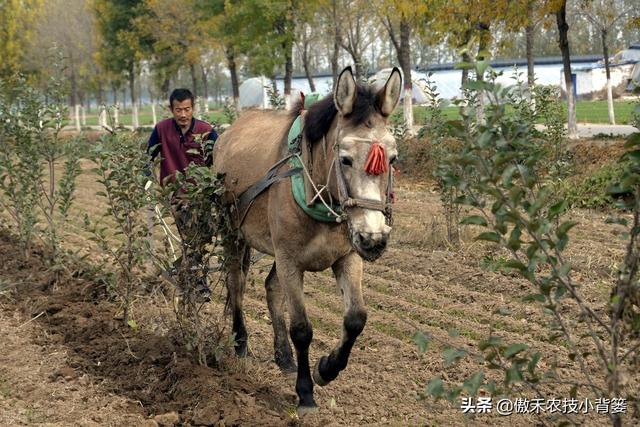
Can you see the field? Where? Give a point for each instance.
(67, 361)
(586, 112)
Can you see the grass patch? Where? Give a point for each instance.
(5, 389)
(323, 325)
(145, 117)
(35, 416)
(390, 330)
(586, 112)
(591, 191)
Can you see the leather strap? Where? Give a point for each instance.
(375, 205)
(245, 200)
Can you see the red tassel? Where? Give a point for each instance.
(302, 97)
(376, 161)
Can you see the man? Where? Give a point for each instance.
(177, 140)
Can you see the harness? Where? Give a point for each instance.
(320, 206)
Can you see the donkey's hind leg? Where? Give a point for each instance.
(276, 302)
(348, 272)
(237, 267)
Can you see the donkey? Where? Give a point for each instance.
(343, 130)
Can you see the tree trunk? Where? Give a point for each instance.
(235, 87)
(482, 46)
(74, 97)
(529, 33)
(466, 58)
(288, 73)
(116, 105)
(358, 63)
(336, 44)
(205, 89)
(134, 105)
(101, 106)
(77, 117)
(153, 112)
(563, 30)
(166, 84)
(100, 95)
(194, 81)
(404, 58)
(605, 52)
(306, 65)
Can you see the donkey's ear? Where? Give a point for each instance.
(389, 95)
(344, 94)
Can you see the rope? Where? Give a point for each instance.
(318, 194)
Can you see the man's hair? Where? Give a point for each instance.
(181, 95)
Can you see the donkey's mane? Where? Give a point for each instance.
(321, 114)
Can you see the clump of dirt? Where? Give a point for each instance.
(149, 370)
(590, 154)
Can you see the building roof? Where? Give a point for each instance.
(503, 63)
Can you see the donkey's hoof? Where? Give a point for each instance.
(317, 378)
(307, 410)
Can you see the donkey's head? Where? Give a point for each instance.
(365, 153)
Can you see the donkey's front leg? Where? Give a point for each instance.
(300, 331)
(348, 272)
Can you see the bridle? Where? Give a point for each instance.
(346, 202)
(342, 212)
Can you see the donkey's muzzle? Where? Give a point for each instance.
(370, 246)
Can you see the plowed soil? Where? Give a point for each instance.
(66, 359)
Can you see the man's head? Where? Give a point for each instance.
(181, 102)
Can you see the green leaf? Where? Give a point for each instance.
(614, 220)
(482, 65)
(515, 264)
(474, 85)
(475, 220)
(473, 383)
(513, 375)
(132, 324)
(633, 155)
(565, 227)
(493, 341)
(435, 388)
(453, 394)
(490, 236)
(531, 366)
(514, 349)
(452, 355)
(421, 340)
(534, 297)
(514, 239)
(557, 209)
(632, 140)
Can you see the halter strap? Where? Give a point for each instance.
(347, 202)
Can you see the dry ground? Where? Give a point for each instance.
(76, 365)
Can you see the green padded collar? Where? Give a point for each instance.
(318, 211)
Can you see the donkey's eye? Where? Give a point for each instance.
(347, 161)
